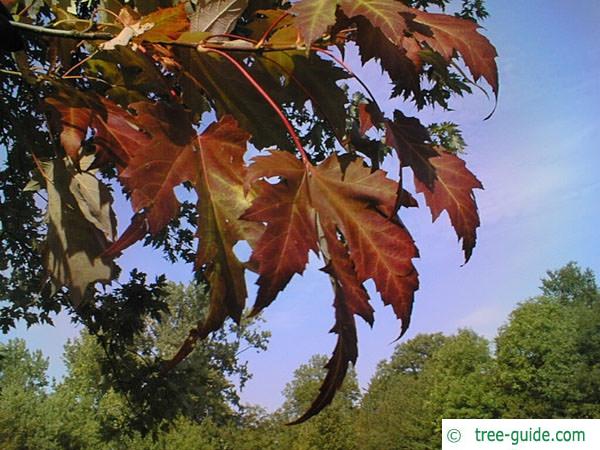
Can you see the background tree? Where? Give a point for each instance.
(334, 429)
(427, 378)
(23, 384)
(547, 353)
(460, 380)
(393, 410)
(99, 402)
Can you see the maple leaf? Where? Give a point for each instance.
(350, 298)
(406, 28)
(93, 198)
(452, 191)
(165, 24)
(358, 202)
(74, 119)
(72, 253)
(395, 60)
(447, 34)
(384, 14)
(412, 142)
(164, 161)
(351, 205)
(132, 75)
(222, 199)
(369, 116)
(209, 72)
(321, 78)
(351, 295)
(264, 20)
(313, 18)
(283, 249)
(115, 134)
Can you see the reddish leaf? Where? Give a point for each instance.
(352, 205)
(210, 73)
(167, 23)
(283, 249)
(350, 298)
(164, 161)
(447, 34)
(221, 202)
(75, 119)
(136, 230)
(373, 44)
(364, 118)
(276, 164)
(268, 19)
(453, 191)
(358, 203)
(222, 199)
(349, 291)
(369, 116)
(346, 352)
(381, 249)
(115, 133)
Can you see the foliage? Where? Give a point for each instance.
(548, 353)
(428, 377)
(333, 429)
(154, 95)
(95, 405)
(130, 362)
(393, 413)
(545, 366)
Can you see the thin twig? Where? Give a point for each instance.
(231, 36)
(11, 72)
(270, 29)
(26, 8)
(116, 16)
(80, 63)
(347, 69)
(40, 168)
(309, 95)
(86, 77)
(68, 34)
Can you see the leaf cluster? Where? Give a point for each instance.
(151, 96)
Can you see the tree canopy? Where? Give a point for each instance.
(247, 105)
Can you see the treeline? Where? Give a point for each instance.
(543, 363)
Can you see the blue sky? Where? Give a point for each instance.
(537, 158)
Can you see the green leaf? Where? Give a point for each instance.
(314, 17)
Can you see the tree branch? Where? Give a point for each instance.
(67, 34)
(104, 36)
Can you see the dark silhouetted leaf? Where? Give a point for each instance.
(452, 191)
